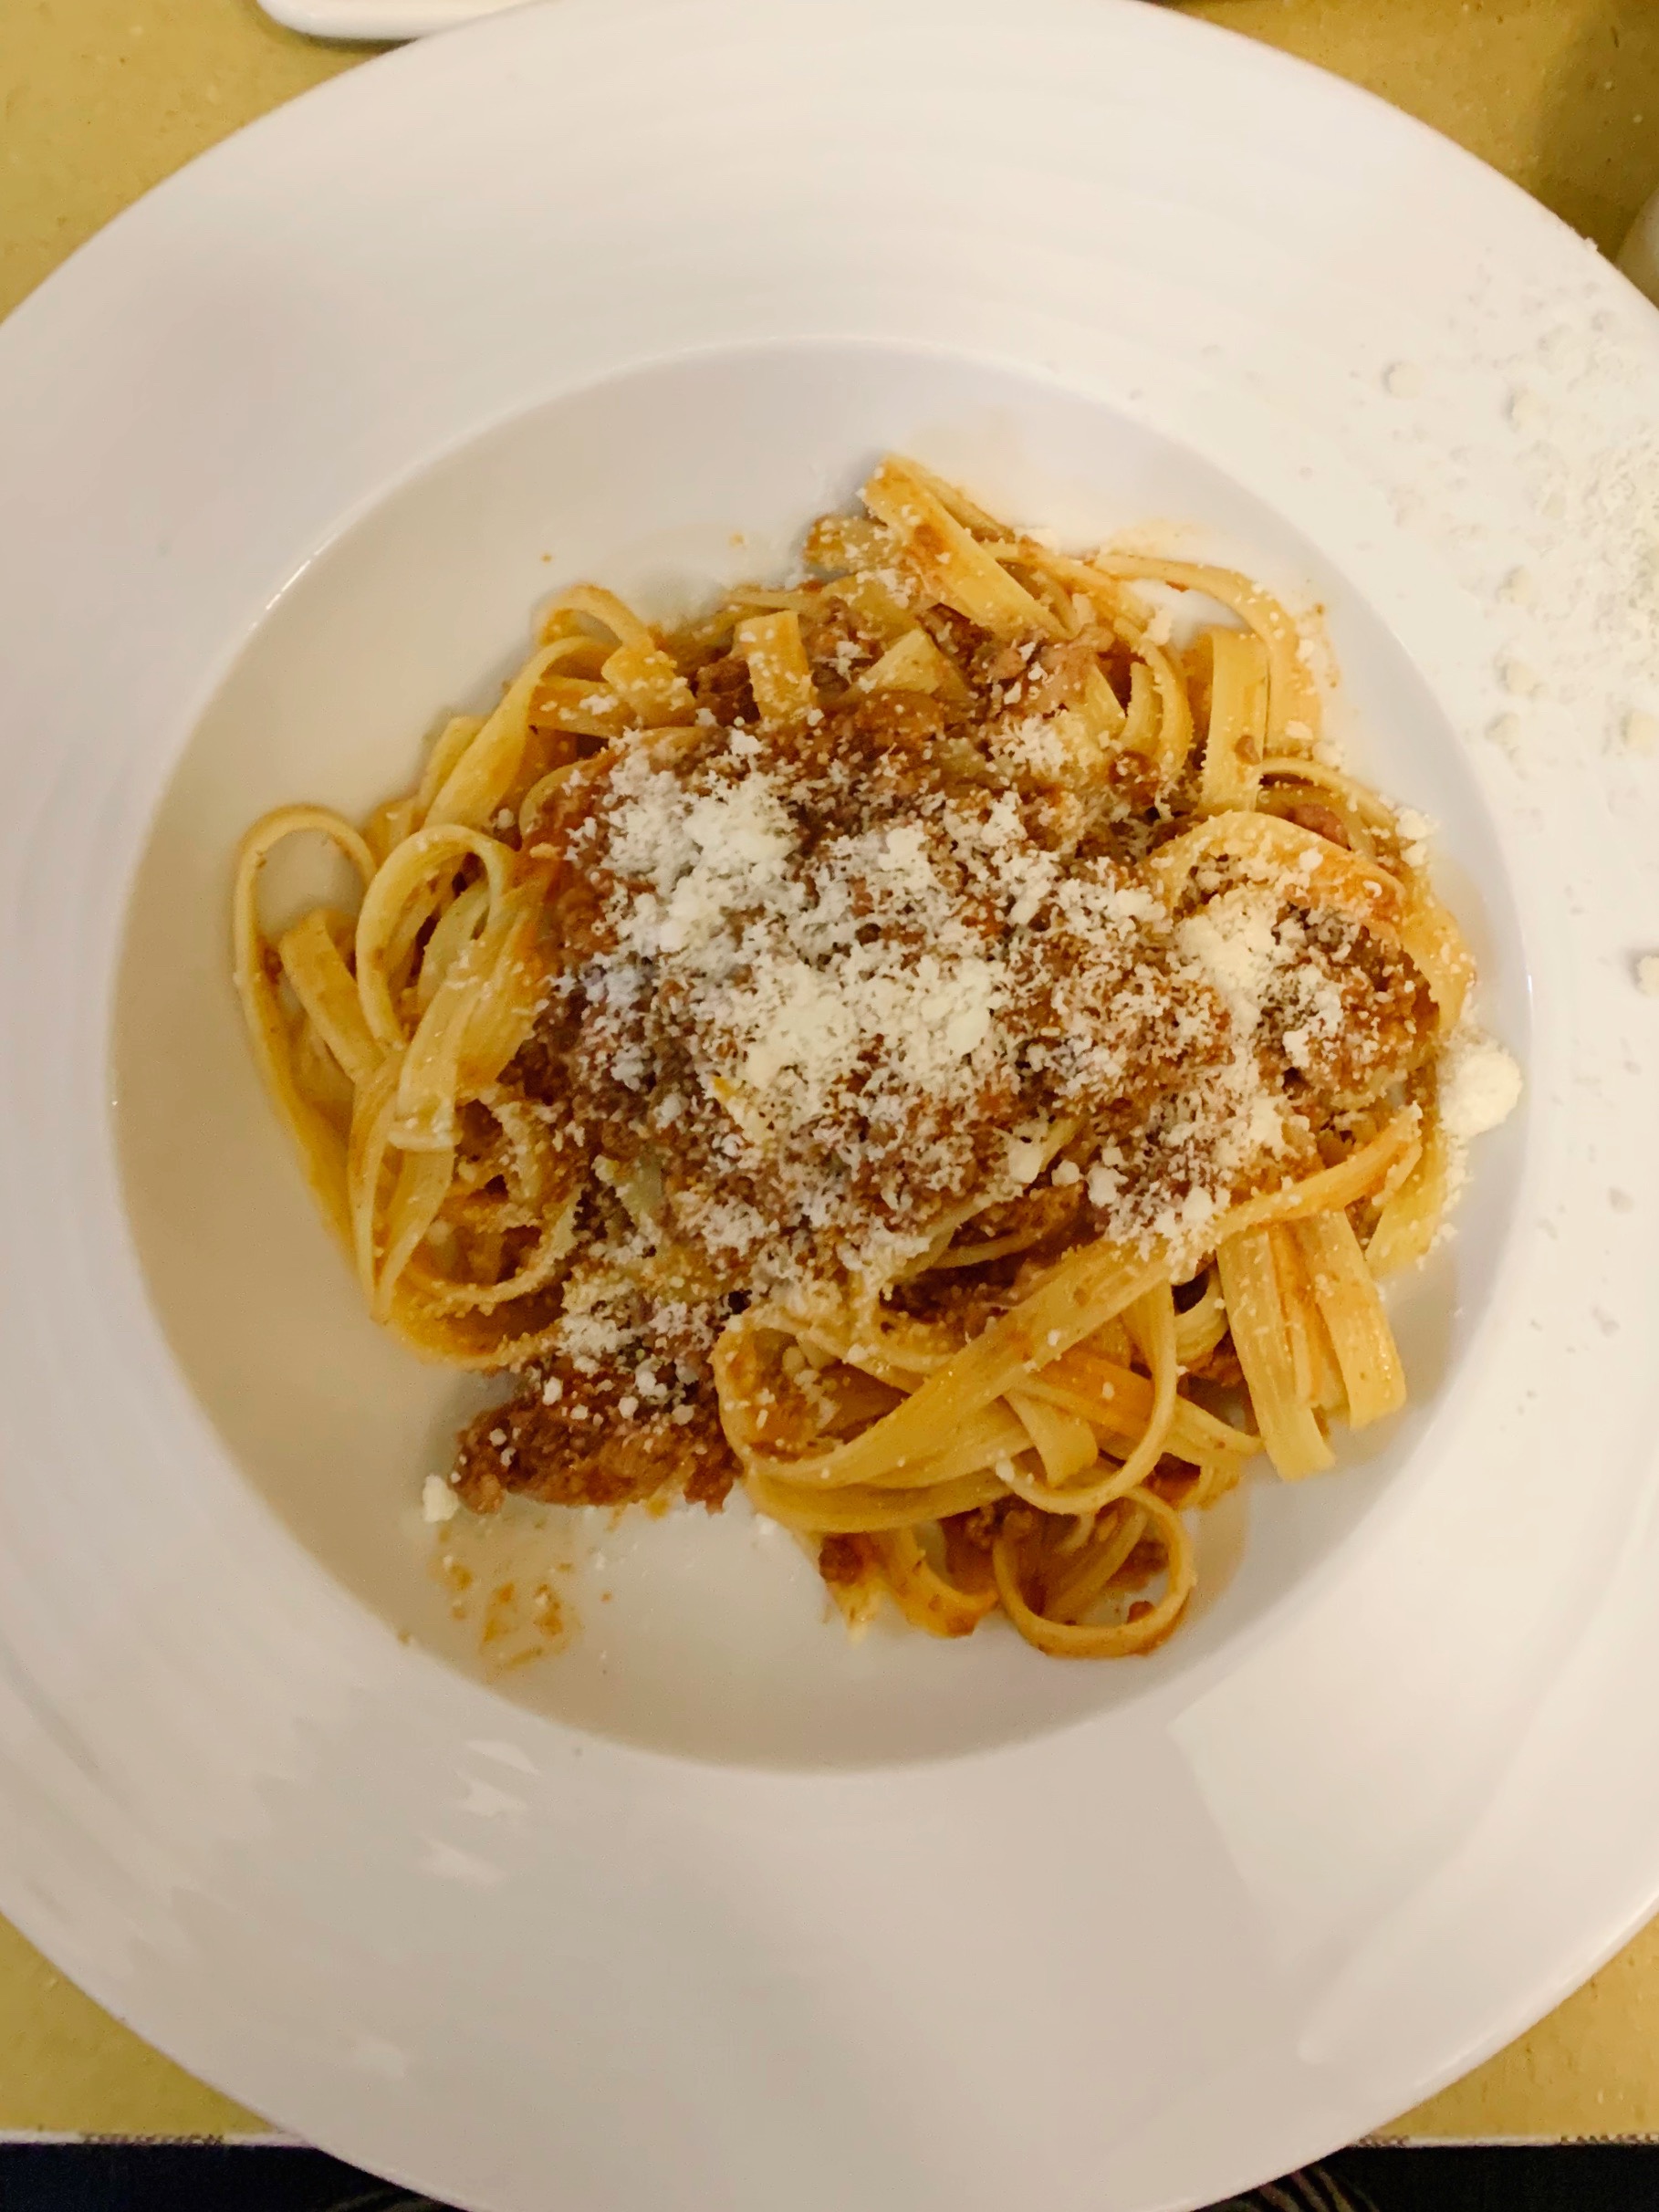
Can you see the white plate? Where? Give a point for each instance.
(740, 1917)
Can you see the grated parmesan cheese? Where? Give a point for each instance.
(824, 990)
(438, 1501)
(1480, 1086)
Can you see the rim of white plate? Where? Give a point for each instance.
(379, 19)
(236, 1811)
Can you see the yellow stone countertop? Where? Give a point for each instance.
(101, 98)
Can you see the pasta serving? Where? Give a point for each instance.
(940, 1045)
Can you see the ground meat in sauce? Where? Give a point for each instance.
(723, 687)
(1100, 1021)
(602, 1459)
(844, 1561)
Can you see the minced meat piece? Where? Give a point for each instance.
(583, 1450)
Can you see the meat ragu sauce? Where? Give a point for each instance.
(871, 830)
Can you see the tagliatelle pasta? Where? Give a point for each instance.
(939, 1044)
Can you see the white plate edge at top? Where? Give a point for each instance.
(373, 21)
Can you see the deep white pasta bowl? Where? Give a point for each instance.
(713, 1907)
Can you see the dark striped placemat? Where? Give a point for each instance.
(44, 2174)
